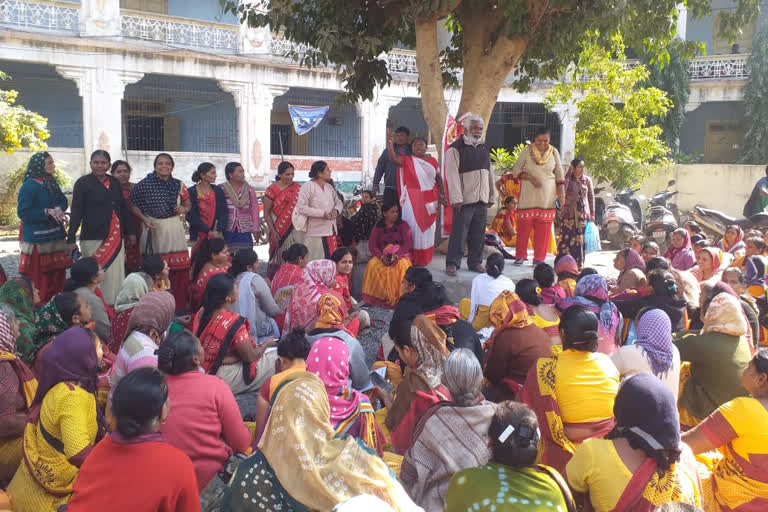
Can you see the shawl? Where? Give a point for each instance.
(17, 293)
(155, 309)
(27, 381)
(507, 310)
(725, 315)
(654, 336)
(241, 200)
(737, 245)
(317, 280)
(673, 251)
(592, 292)
(632, 261)
(157, 197)
(444, 315)
(36, 171)
(567, 267)
(536, 155)
(756, 268)
(7, 340)
(134, 287)
(330, 314)
(314, 467)
(717, 262)
(49, 324)
(363, 221)
(429, 341)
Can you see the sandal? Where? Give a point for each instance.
(451, 270)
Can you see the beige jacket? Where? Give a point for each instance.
(469, 187)
(315, 201)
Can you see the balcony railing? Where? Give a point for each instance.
(39, 14)
(719, 67)
(179, 31)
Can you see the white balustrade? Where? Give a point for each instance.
(719, 67)
(179, 31)
(58, 16)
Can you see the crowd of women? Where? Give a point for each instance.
(562, 391)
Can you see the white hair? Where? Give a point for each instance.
(463, 376)
(473, 119)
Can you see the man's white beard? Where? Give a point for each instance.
(473, 139)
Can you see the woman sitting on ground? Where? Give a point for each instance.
(157, 271)
(754, 309)
(254, 298)
(422, 349)
(512, 478)
(485, 288)
(134, 287)
(330, 323)
(205, 421)
(337, 469)
(551, 292)
(652, 352)
(631, 267)
(22, 296)
(739, 480)
(650, 250)
(158, 476)
(451, 436)
(733, 241)
(572, 394)
(351, 411)
(718, 357)
(514, 348)
(680, 252)
(709, 265)
(543, 315)
(288, 275)
(85, 277)
(641, 464)
(292, 352)
(64, 310)
(345, 262)
(230, 352)
(663, 296)
(390, 244)
(317, 280)
(211, 259)
(17, 390)
(592, 293)
(567, 271)
(64, 409)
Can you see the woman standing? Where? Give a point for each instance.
(208, 216)
(279, 201)
(98, 204)
(121, 171)
(41, 208)
(540, 169)
(161, 201)
(319, 204)
(577, 209)
(242, 208)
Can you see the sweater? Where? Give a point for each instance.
(513, 352)
(151, 476)
(93, 204)
(314, 202)
(34, 198)
(204, 423)
(220, 218)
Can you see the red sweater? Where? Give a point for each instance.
(204, 422)
(143, 476)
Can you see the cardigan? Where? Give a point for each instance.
(196, 225)
(93, 204)
(34, 198)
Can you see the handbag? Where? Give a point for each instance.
(298, 220)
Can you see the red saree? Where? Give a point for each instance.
(206, 206)
(198, 287)
(133, 252)
(283, 203)
(218, 340)
(110, 247)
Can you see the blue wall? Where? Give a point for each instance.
(207, 10)
(44, 91)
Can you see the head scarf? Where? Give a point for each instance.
(631, 261)
(134, 287)
(18, 294)
(673, 251)
(71, 357)
(567, 267)
(592, 292)
(756, 271)
(508, 310)
(49, 324)
(36, 171)
(317, 280)
(155, 310)
(7, 340)
(329, 360)
(737, 245)
(646, 413)
(725, 315)
(313, 466)
(717, 261)
(654, 336)
(329, 312)
(429, 341)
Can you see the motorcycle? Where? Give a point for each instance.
(716, 222)
(661, 218)
(618, 225)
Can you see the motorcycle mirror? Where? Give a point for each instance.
(671, 182)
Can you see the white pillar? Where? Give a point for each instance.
(682, 21)
(569, 115)
(251, 40)
(99, 18)
(373, 131)
(102, 92)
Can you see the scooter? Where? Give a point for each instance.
(716, 222)
(625, 197)
(660, 218)
(618, 225)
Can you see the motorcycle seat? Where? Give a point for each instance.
(759, 220)
(725, 219)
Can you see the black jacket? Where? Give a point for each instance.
(92, 206)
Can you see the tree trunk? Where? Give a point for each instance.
(430, 77)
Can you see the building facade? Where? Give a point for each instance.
(136, 77)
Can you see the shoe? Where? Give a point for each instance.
(480, 269)
(451, 270)
(519, 261)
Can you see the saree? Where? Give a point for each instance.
(418, 203)
(283, 203)
(555, 448)
(110, 256)
(317, 280)
(132, 253)
(18, 293)
(575, 214)
(285, 280)
(499, 226)
(739, 481)
(198, 286)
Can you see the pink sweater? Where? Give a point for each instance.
(204, 422)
